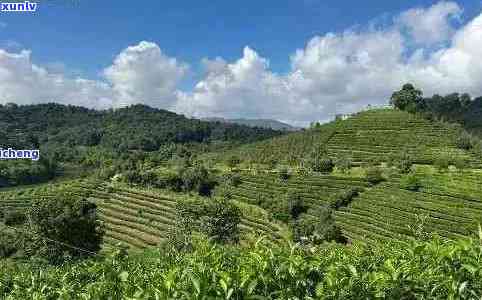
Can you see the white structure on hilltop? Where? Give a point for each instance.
(342, 116)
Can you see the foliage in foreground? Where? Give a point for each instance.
(56, 230)
(421, 270)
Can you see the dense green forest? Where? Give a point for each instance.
(90, 138)
(141, 203)
(137, 127)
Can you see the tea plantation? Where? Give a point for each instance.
(446, 203)
(366, 136)
(382, 205)
(134, 217)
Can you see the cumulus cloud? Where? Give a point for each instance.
(431, 25)
(23, 82)
(212, 66)
(139, 74)
(143, 74)
(456, 68)
(333, 73)
(342, 72)
(245, 88)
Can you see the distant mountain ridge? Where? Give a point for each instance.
(261, 123)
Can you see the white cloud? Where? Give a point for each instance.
(23, 82)
(139, 74)
(143, 74)
(336, 72)
(216, 65)
(342, 72)
(245, 87)
(433, 24)
(456, 68)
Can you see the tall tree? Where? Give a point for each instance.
(408, 98)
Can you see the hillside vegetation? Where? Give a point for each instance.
(375, 135)
(136, 218)
(89, 139)
(137, 127)
(260, 270)
(383, 204)
(448, 204)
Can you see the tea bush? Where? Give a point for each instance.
(434, 269)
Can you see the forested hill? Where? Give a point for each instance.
(137, 127)
(472, 118)
(263, 123)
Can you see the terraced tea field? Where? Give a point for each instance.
(141, 219)
(316, 190)
(134, 217)
(366, 136)
(379, 133)
(20, 198)
(287, 148)
(447, 204)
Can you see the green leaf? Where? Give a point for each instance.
(471, 268)
(123, 276)
(252, 285)
(229, 294)
(196, 284)
(353, 270)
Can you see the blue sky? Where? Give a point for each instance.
(82, 38)
(85, 35)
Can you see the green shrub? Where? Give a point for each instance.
(234, 179)
(374, 175)
(218, 218)
(410, 182)
(460, 163)
(344, 198)
(14, 218)
(71, 221)
(233, 161)
(8, 242)
(404, 163)
(191, 178)
(343, 164)
(318, 161)
(317, 227)
(442, 162)
(221, 221)
(433, 269)
(464, 141)
(302, 171)
(325, 165)
(477, 149)
(272, 163)
(295, 204)
(284, 174)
